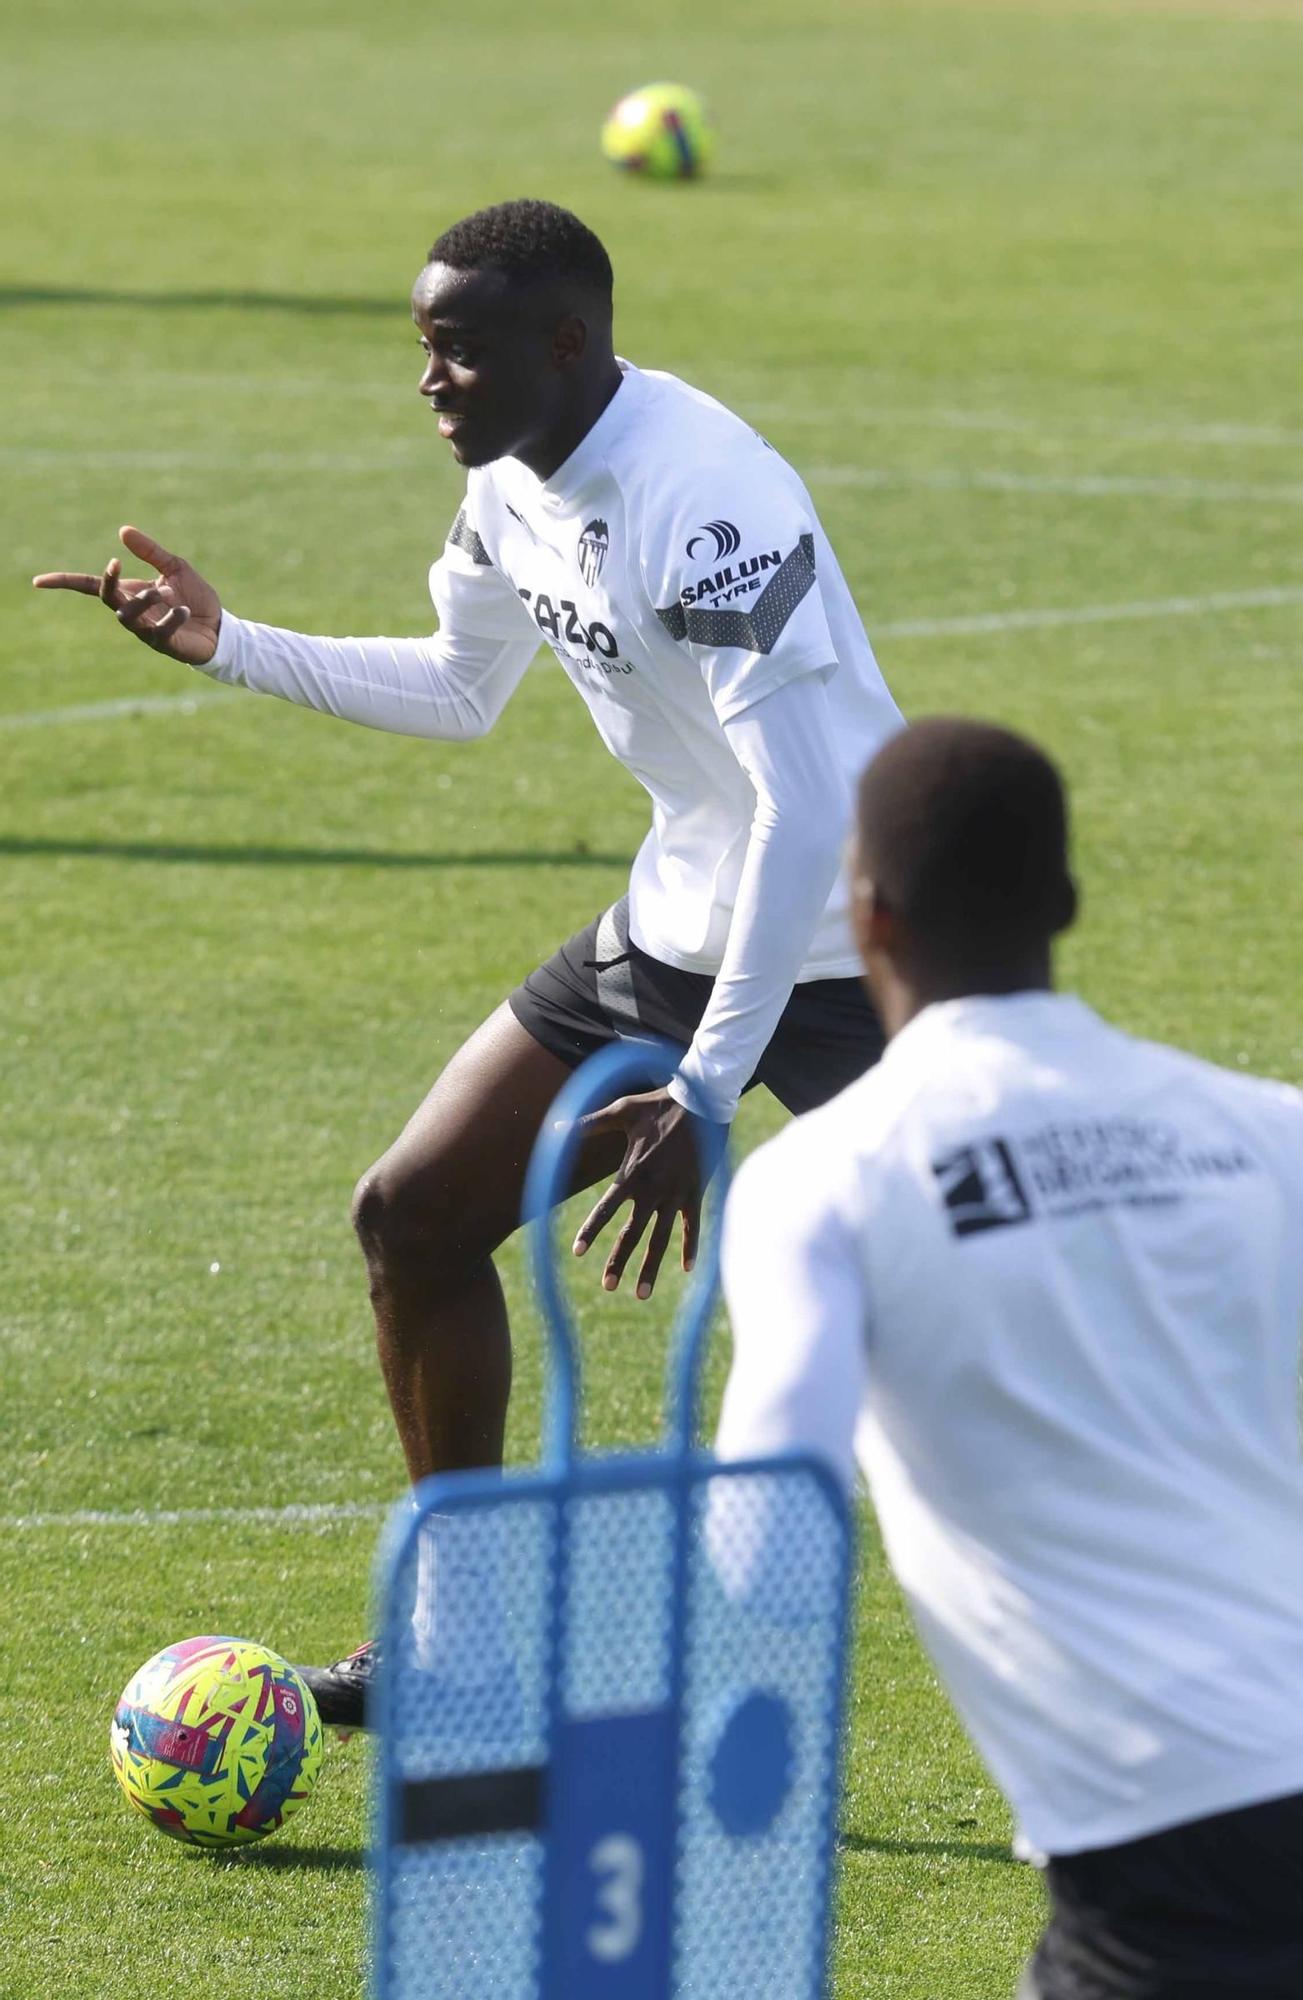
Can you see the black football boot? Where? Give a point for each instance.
(342, 1691)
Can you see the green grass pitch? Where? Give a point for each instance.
(1016, 288)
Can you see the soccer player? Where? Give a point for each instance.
(675, 565)
(1044, 1281)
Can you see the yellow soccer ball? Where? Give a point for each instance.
(659, 131)
(216, 1741)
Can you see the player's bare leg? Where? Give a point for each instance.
(429, 1216)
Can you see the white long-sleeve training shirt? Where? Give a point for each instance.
(677, 569)
(1046, 1282)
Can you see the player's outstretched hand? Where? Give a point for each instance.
(660, 1175)
(177, 613)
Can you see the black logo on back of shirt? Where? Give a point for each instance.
(593, 544)
(725, 536)
(981, 1188)
(1076, 1167)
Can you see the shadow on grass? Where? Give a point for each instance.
(322, 1860)
(955, 1850)
(22, 846)
(208, 301)
(335, 1860)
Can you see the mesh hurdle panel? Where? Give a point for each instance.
(617, 1624)
(458, 1917)
(764, 1597)
(610, 1692)
(743, 1632)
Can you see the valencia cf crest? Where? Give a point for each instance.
(593, 544)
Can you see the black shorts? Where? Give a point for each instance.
(1212, 1910)
(600, 987)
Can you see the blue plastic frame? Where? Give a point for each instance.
(678, 1465)
(598, 1083)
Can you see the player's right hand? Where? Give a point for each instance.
(177, 613)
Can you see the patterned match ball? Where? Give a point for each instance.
(660, 132)
(216, 1741)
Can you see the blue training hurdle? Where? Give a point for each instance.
(609, 1762)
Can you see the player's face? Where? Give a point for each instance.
(494, 372)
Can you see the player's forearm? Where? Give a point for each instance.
(410, 687)
(787, 878)
(785, 745)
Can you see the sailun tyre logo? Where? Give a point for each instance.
(725, 536)
(593, 544)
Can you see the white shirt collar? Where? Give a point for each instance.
(1030, 1011)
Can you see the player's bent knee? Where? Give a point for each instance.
(391, 1217)
(369, 1209)
(403, 1226)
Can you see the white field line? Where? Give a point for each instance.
(47, 457)
(1087, 614)
(1008, 423)
(109, 711)
(940, 479)
(1030, 620)
(297, 1515)
(1074, 485)
(330, 391)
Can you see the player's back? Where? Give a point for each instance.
(1084, 1278)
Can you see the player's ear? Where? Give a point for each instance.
(864, 905)
(569, 340)
(871, 918)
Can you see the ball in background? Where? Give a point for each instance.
(216, 1741)
(660, 131)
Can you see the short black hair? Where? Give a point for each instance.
(532, 242)
(963, 830)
